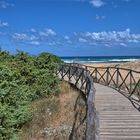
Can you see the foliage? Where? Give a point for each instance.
(23, 78)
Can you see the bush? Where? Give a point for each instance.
(23, 78)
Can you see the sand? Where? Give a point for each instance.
(125, 78)
(135, 65)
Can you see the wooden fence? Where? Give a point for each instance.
(81, 78)
(125, 81)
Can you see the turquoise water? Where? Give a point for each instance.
(100, 59)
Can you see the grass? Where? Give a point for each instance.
(54, 111)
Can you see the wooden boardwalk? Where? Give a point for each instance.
(118, 119)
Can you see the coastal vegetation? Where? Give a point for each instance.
(57, 117)
(23, 79)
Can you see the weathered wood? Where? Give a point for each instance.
(117, 78)
(79, 76)
(111, 79)
(101, 77)
(127, 84)
(107, 76)
(119, 120)
(112, 76)
(82, 72)
(91, 115)
(123, 82)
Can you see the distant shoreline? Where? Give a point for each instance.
(100, 59)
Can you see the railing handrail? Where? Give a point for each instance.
(130, 80)
(109, 67)
(99, 78)
(86, 81)
(114, 68)
(104, 67)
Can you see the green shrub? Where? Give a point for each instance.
(23, 78)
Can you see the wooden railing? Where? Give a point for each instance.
(81, 78)
(125, 81)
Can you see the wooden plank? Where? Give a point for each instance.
(117, 115)
(74, 77)
(116, 123)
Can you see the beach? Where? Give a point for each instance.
(135, 65)
(123, 77)
(100, 59)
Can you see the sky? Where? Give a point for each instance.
(71, 27)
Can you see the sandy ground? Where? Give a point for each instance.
(135, 65)
(127, 65)
(100, 64)
(126, 81)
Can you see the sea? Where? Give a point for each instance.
(99, 59)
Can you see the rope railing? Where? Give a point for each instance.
(80, 77)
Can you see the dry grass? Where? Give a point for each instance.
(52, 112)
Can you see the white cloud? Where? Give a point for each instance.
(109, 38)
(20, 37)
(99, 17)
(4, 4)
(47, 32)
(53, 43)
(35, 43)
(97, 3)
(26, 39)
(50, 32)
(35, 37)
(104, 38)
(107, 45)
(23, 37)
(43, 33)
(100, 3)
(82, 40)
(66, 37)
(33, 30)
(3, 24)
(66, 40)
(123, 44)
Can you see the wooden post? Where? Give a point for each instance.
(117, 78)
(130, 89)
(62, 71)
(91, 130)
(95, 74)
(107, 75)
(69, 72)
